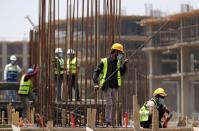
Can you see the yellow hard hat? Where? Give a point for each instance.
(117, 46)
(159, 91)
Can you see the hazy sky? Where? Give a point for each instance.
(14, 26)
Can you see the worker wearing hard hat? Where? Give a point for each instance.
(73, 90)
(110, 71)
(11, 74)
(12, 70)
(146, 110)
(59, 71)
(25, 90)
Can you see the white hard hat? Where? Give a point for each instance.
(70, 51)
(13, 57)
(58, 50)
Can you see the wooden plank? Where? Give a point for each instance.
(28, 112)
(15, 118)
(91, 117)
(9, 112)
(155, 119)
(136, 116)
(50, 125)
(32, 115)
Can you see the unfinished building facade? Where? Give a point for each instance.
(173, 53)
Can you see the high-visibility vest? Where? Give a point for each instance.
(104, 73)
(144, 111)
(71, 66)
(12, 73)
(60, 69)
(25, 86)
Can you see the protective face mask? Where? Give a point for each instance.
(120, 56)
(13, 62)
(161, 101)
(60, 55)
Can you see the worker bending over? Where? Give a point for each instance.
(156, 101)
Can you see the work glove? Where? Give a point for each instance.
(126, 60)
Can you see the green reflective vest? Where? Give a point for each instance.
(71, 66)
(104, 73)
(59, 68)
(25, 86)
(144, 111)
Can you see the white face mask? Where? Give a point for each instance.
(120, 56)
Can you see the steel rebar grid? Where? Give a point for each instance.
(99, 24)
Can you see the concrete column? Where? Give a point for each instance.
(186, 97)
(178, 98)
(149, 33)
(154, 69)
(185, 86)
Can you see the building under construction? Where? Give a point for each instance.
(90, 28)
(173, 59)
(91, 35)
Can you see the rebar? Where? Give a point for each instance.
(90, 28)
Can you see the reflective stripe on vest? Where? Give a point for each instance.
(61, 66)
(71, 66)
(12, 73)
(144, 111)
(25, 86)
(104, 73)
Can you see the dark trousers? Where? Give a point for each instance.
(24, 102)
(58, 83)
(72, 85)
(148, 124)
(145, 124)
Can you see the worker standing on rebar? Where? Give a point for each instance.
(72, 75)
(11, 74)
(59, 71)
(156, 101)
(25, 90)
(110, 71)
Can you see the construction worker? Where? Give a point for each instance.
(25, 90)
(71, 75)
(59, 71)
(11, 74)
(156, 101)
(110, 71)
(12, 70)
